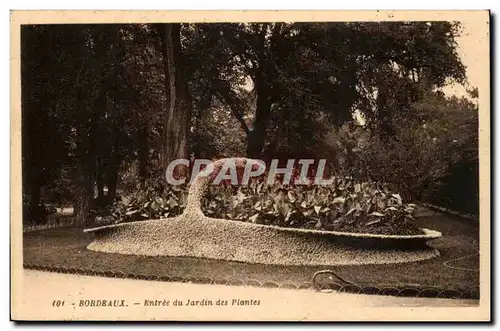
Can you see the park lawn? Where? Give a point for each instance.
(66, 247)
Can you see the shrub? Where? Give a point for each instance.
(433, 155)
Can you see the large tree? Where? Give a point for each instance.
(398, 62)
(297, 70)
(178, 113)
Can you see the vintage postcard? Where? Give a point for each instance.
(250, 166)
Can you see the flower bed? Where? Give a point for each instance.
(344, 206)
(195, 234)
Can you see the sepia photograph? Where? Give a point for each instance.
(250, 166)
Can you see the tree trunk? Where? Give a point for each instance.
(86, 168)
(255, 144)
(257, 136)
(112, 185)
(143, 156)
(100, 183)
(178, 113)
(112, 177)
(35, 212)
(385, 127)
(85, 197)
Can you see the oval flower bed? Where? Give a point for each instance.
(344, 206)
(194, 234)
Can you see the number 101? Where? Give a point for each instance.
(57, 303)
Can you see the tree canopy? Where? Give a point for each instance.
(99, 101)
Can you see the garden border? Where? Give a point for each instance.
(449, 211)
(330, 287)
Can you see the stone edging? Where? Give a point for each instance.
(448, 211)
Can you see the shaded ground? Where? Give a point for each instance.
(451, 271)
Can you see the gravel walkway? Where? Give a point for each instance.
(244, 303)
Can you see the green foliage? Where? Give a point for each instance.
(434, 148)
(345, 205)
(217, 134)
(94, 98)
(149, 203)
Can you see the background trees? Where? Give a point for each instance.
(434, 144)
(106, 107)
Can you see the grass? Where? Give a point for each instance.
(67, 247)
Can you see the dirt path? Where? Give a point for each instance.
(42, 288)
